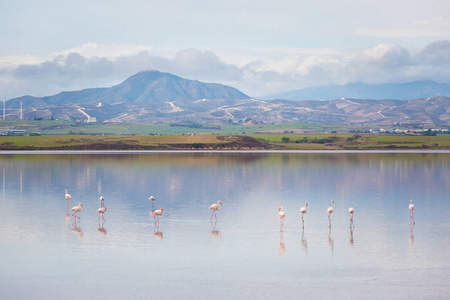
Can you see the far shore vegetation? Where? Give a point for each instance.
(68, 135)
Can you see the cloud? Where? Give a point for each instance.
(256, 73)
(437, 27)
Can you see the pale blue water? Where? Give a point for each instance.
(43, 255)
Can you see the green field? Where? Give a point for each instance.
(56, 127)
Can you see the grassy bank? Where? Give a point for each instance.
(227, 142)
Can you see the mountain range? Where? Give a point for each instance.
(153, 96)
(359, 90)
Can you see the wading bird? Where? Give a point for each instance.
(215, 207)
(304, 210)
(351, 210)
(101, 211)
(411, 211)
(157, 213)
(77, 209)
(68, 196)
(101, 201)
(281, 213)
(330, 210)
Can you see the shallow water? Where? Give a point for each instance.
(44, 254)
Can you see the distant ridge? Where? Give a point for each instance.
(359, 90)
(143, 87)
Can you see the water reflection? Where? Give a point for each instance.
(411, 234)
(214, 232)
(101, 230)
(304, 242)
(77, 230)
(282, 247)
(156, 232)
(330, 241)
(351, 235)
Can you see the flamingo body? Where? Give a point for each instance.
(76, 209)
(411, 211)
(68, 196)
(330, 211)
(214, 207)
(282, 215)
(101, 211)
(304, 210)
(351, 210)
(151, 198)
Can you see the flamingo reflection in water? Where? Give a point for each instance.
(330, 242)
(101, 230)
(304, 242)
(157, 233)
(282, 246)
(351, 235)
(214, 207)
(76, 209)
(76, 229)
(214, 232)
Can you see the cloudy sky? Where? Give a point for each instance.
(260, 47)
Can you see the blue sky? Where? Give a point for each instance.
(260, 47)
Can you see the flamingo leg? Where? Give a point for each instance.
(303, 221)
(329, 219)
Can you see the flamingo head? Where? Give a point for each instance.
(219, 202)
(306, 204)
(281, 208)
(411, 201)
(161, 209)
(81, 204)
(332, 201)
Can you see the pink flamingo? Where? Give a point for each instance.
(77, 209)
(101, 211)
(411, 211)
(330, 210)
(157, 213)
(304, 210)
(68, 196)
(215, 207)
(351, 210)
(281, 210)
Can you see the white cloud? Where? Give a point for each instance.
(436, 27)
(255, 72)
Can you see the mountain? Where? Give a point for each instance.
(359, 90)
(143, 87)
(162, 97)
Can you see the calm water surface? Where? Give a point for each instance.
(45, 255)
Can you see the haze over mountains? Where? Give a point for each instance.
(359, 90)
(153, 96)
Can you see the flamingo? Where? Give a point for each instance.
(77, 209)
(101, 201)
(351, 210)
(411, 211)
(330, 210)
(101, 211)
(281, 210)
(157, 213)
(215, 207)
(304, 210)
(68, 196)
(151, 198)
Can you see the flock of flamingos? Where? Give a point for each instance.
(217, 206)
